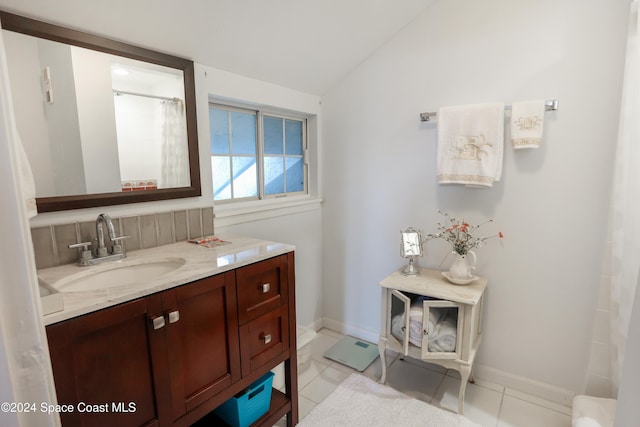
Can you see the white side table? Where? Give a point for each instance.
(427, 296)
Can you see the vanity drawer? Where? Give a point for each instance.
(262, 287)
(264, 339)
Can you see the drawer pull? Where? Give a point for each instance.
(174, 316)
(266, 287)
(158, 322)
(266, 338)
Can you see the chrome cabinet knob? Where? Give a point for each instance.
(266, 338)
(158, 322)
(174, 316)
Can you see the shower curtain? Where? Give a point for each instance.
(625, 219)
(25, 369)
(174, 152)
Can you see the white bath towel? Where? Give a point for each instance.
(442, 328)
(527, 122)
(471, 144)
(444, 336)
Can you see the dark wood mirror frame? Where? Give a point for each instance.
(20, 24)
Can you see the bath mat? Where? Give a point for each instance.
(353, 352)
(360, 401)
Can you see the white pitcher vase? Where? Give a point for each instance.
(463, 265)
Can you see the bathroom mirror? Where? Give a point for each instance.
(102, 122)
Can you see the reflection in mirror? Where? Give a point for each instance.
(96, 126)
(150, 126)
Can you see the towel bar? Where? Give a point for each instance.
(549, 105)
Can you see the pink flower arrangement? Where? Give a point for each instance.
(461, 234)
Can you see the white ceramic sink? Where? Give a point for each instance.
(118, 275)
(50, 298)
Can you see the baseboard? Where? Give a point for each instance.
(513, 383)
(343, 328)
(523, 384)
(316, 325)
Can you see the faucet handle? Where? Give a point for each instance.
(85, 253)
(117, 244)
(83, 245)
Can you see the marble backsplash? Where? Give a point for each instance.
(50, 243)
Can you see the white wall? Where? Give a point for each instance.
(551, 203)
(96, 120)
(62, 117)
(304, 231)
(25, 76)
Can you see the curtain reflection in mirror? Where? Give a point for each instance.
(175, 158)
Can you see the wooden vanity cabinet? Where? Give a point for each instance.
(111, 357)
(179, 354)
(202, 340)
(263, 312)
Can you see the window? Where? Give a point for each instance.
(256, 154)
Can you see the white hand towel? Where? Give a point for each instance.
(471, 144)
(527, 121)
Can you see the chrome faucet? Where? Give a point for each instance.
(102, 251)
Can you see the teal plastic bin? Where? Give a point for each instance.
(246, 407)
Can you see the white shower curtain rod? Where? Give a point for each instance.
(549, 105)
(163, 98)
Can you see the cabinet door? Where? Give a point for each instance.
(443, 337)
(202, 340)
(109, 365)
(399, 306)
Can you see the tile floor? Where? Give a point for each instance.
(488, 404)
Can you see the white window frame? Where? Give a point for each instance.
(304, 157)
(240, 110)
(234, 213)
(260, 114)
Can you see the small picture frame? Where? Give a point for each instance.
(411, 245)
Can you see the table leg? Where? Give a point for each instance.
(382, 348)
(465, 373)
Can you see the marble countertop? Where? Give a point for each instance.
(432, 283)
(200, 262)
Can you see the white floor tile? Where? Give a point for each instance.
(421, 363)
(518, 413)
(488, 384)
(486, 403)
(314, 369)
(481, 405)
(413, 380)
(331, 333)
(374, 371)
(538, 401)
(320, 344)
(305, 406)
(322, 385)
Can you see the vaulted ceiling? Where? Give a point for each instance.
(305, 45)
